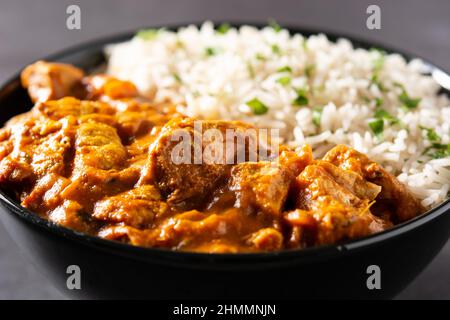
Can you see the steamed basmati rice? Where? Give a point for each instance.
(366, 99)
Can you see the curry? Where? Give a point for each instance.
(94, 156)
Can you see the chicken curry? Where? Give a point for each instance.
(94, 156)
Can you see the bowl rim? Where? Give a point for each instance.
(164, 254)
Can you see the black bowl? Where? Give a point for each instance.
(116, 270)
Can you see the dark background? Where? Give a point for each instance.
(32, 29)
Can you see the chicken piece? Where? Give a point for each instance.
(70, 106)
(349, 180)
(36, 147)
(184, 163)
(72, 215)
(99, 86)
(49, 81)
(137, 208)
(266, 239)
(92, 184)
(99, 165)
(264, 186)
(50, 156)
(331, 223)
(260, 186)
(227, 231)
(316, 183)
(394, 198)
(16, 172)
(192, 230)
(98, 146)
(333, 205)
(46, 194)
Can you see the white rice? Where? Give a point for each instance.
(242, 65)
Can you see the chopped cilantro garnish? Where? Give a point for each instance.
(438, 150)
(317, 116)
(276, 49)
(377, 127)
(274, 25)
(260, 56)
(284, 69)
(432, 136)
(257, 107)
(374, 80)
(380, 113)
(223, 28)
(378, 102)
(284, 81)
(380, 51)
(147, 34)
(177, 77)
(301, 99)
(408, 102)
(210, 51)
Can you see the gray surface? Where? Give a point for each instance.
(31, 29)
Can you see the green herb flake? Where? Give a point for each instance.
(302, 99)
(148, 34)
(374, 80)
(223, 28)
(378, 50)
(210, 51)
(284, 81)
(276, 49)
(257, 107)
(378, 102)
(438, 150)
(177, 77)
(407, 102)
(274, 25)
(260, 56)
(284, 69)
(317, 116)
(377, 127)
(380, 113)
(432, 136)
